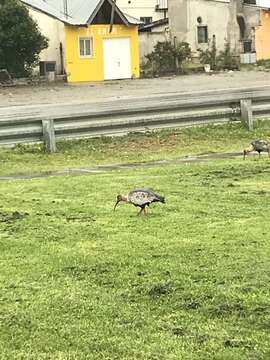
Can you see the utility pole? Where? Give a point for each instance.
(65, 9)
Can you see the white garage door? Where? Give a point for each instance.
(117, 58)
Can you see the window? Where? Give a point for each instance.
(202, 34)
(162, 5)
(86, 47)
(146, 19)
(247, 45)
(46, 66)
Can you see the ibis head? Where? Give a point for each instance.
(246, 151)
(120, 198)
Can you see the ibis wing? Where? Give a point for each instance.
(155, 196)
(138, 197)
(260, 145)
(142, 197)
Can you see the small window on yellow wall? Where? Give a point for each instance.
(86, 47)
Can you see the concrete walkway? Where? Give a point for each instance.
(128, 166)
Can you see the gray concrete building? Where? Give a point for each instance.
(198, 21)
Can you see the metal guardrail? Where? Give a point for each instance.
(117, 118)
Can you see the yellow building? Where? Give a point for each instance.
(100, 42)
(262, 36)
(93, 53)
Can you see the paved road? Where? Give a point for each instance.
(129, 89)
(110, 106)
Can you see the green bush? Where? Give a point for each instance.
(209, 56)
(264, 62)
(167, 58)
(226, 59)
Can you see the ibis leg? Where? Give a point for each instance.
(139, 213)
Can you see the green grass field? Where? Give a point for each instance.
(160, 145)
(189, 281)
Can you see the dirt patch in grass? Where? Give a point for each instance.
(9, 217)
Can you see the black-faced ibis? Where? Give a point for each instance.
(140, 198)
(259, 146)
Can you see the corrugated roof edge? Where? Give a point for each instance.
(147, 27)
(54, 13)
(132, 20)
(46, 10)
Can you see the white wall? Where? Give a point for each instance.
(54, 31)
(264, 3)
(140, 8)
(218, 16)
(148, 40)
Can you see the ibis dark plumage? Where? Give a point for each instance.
(259, 146)
(140, 198)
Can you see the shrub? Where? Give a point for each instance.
(264, 62)
(167, 58)
(209, 56)
(227, 59)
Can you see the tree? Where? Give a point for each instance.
(20, 38)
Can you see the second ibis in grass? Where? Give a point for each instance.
(259, 146)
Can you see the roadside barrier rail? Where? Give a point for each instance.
(49, 124)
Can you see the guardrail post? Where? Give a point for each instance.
(246, 113)
(49, 135)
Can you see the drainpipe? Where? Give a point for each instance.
(61, 58)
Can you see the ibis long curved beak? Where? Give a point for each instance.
(117, 202)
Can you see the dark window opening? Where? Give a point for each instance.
(202, 34)
(247, 46)
(46, 66)
(242, 26)
(146, 19)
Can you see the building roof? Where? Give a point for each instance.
(80, 12)
(152, 25)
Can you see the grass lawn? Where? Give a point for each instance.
(189, 281)
(161, 145)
